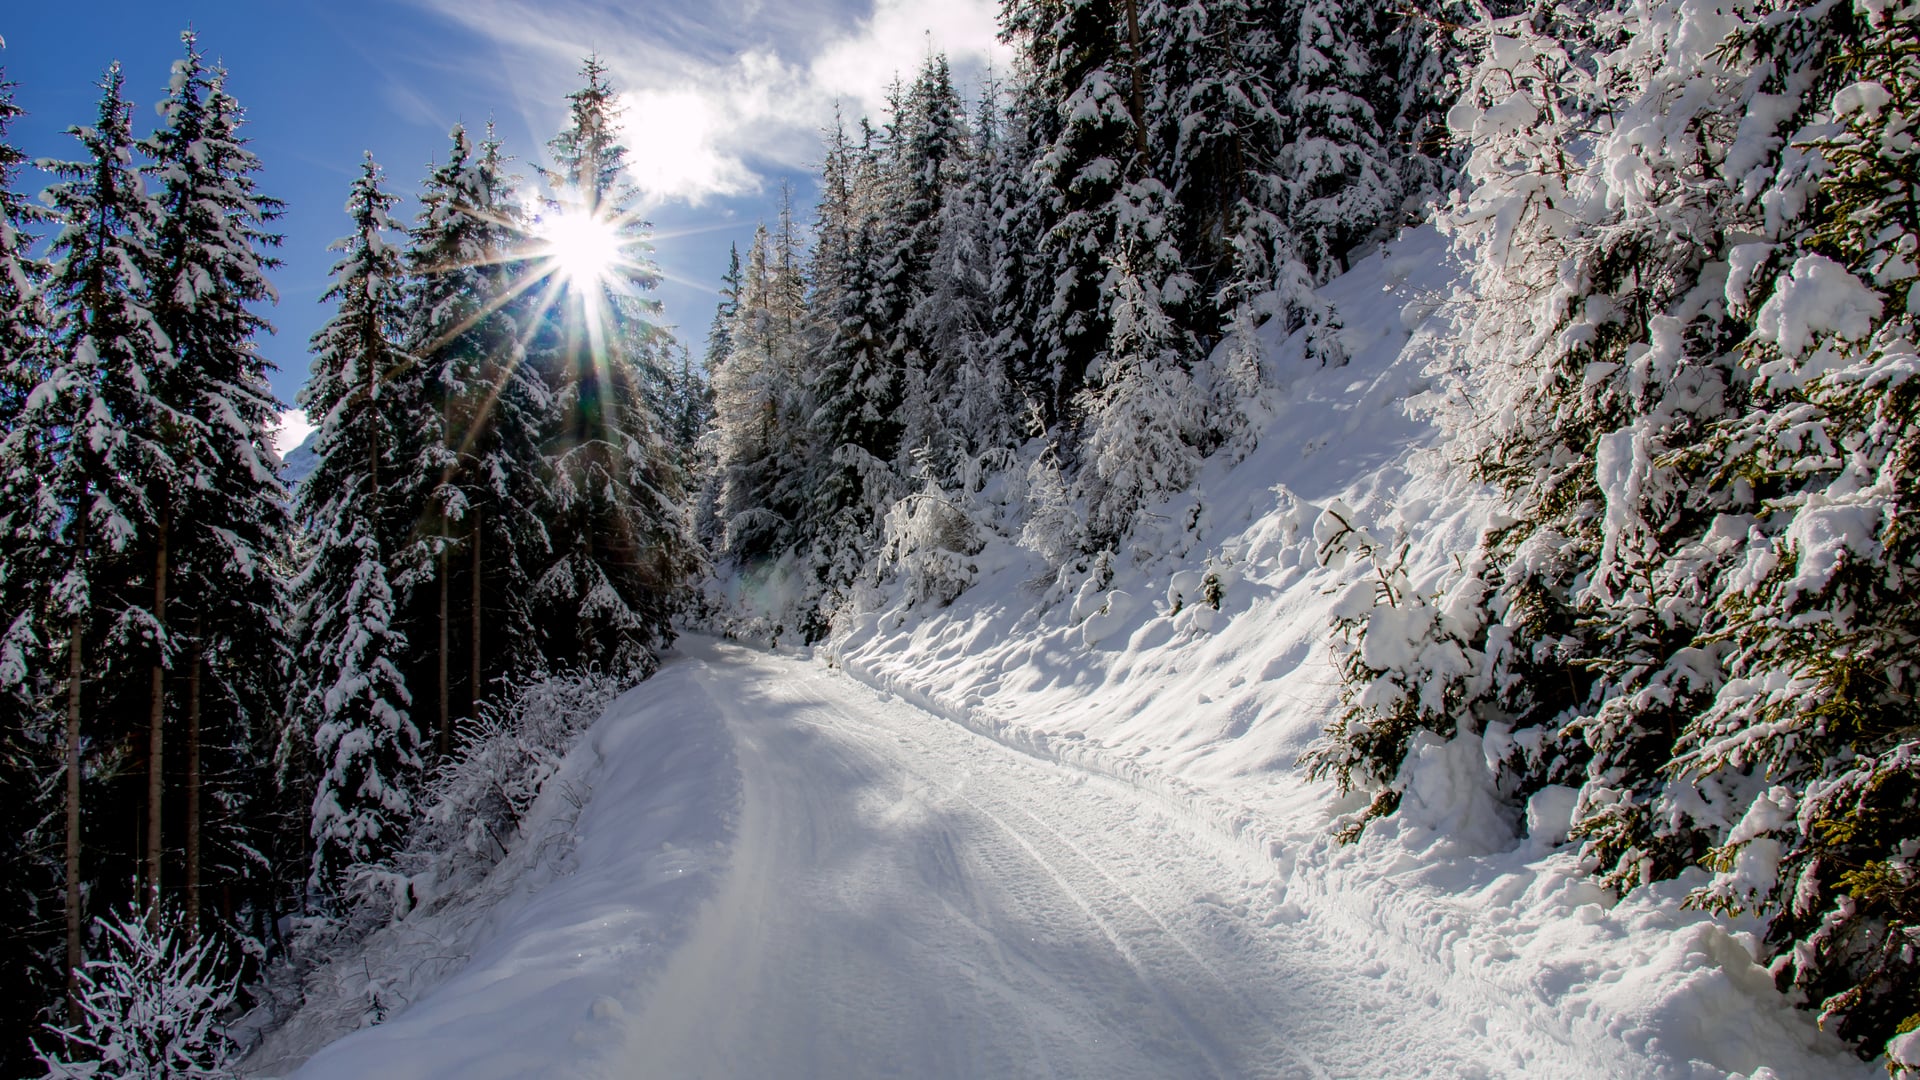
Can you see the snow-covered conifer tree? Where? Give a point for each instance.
(30, 666)
(758, 437)
(1685, 364)
(352, 699)
(1087, 67)
(474, 412)
(104, 484)
(622, 539)
(229, 523)
(1144, 414)
(1341, 186)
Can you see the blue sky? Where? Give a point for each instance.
(726, 99)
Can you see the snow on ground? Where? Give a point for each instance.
(1210, 709)
(612, 861)
(1059, 832)
(902, 898)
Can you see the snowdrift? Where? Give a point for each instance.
(622, 845)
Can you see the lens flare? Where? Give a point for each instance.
(585, 248)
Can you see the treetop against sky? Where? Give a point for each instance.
(724, 102)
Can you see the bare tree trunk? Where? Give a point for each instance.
(473, 677)
(74, 646)
(193, 786)
(156, 733)
(445, 741)
(1138, 102)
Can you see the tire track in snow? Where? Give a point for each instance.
(1075, 854)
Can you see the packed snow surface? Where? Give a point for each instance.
(903, 898)
(1056, 829)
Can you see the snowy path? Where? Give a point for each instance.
(908, 899)
(905, 898)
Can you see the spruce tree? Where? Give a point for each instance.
(109, 471)
(758, 435)
(473, 412)
(1821, 613)
(30, 720)
(229, 523)
(1091, 160)
(622, 543)
(352, 701)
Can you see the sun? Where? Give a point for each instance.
(585, 248)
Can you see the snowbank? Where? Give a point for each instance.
(600, 886)
(1210, 707)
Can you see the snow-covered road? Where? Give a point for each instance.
(911, 900)
(902, 897)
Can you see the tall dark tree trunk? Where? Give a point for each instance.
(1138, 99)
(445, 739)
(193, 785)
(156, 735)
(473, 675)
(74, 646)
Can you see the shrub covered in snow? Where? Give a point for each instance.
(475, 800)
(931, 539)
(150, 1009)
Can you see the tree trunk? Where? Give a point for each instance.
(473, 676)
(74, 646)
(193, 788)
(156, 732)
(445, 739)
(1138, 101)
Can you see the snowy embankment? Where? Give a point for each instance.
(1449, 900)
(610, 866)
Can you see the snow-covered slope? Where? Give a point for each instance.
(748, 868)
(611, 862)
(299, 462)
(1142, 680)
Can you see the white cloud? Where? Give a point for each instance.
(900, 35)
(675, 140)
(292, 430)
(699, 126)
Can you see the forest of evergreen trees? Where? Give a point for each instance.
(1682, 355)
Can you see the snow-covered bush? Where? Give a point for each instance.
(1145, 416)
(150, 1009)
(477, 797)
(931, 539)
(1411, 661)
(1054, 528)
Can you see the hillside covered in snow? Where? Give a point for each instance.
(1271, 538)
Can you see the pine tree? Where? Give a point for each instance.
(1341, 188)
(1092, 171)
(24, 327)
(107, 475)
(1144, 415)
(622, 542)
(30, 718)
(1016, 283)
(1821, 622)
(720, 333)
(229, 523)
(474, 413)
(973, 412)
(758, 438)
(352, 700)
(1219, 125)
(1688, 366)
